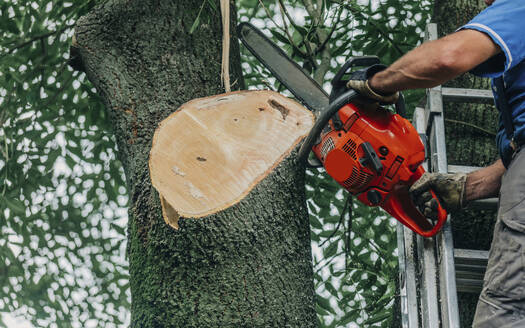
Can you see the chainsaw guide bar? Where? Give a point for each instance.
(288, 72)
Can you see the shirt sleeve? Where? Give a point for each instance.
(504, 23)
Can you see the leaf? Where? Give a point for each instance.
(348, 317)
(279, 36)
(324, 303)
(320, 310)
(315, 223)
(26, 24)
(51, 159)
(119, 229)
(195, 24)
(328, 233)
(12, 26)
(110, 191)
(301, 30)
(334, 219)
(331, 250)
(385, 314)
(16, 205)
(197, 19)
(330, 288)
(212, 5)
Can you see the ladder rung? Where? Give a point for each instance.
(470, 265)
(467, 95)
(481, 204)
(469, 285)
(484, 204)
(470, 271)
(461, 168)
(471, 256)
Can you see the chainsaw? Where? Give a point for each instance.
(376, 155)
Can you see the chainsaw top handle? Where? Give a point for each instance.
(357, 61)
(339, 83)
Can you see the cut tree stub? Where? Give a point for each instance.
(212, 151)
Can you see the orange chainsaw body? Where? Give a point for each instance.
(377, 155)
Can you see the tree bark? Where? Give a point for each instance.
(468, 146)
(246, 266)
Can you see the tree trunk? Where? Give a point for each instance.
(467, 145)
(249, 265)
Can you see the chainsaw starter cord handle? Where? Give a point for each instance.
(322, 120)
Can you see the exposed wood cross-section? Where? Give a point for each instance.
(212, 151)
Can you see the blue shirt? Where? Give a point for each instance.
(504, 23)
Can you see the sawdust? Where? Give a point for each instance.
(177, 171)
(194, 191)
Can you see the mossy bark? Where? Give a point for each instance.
(467, 145)
(247, 266)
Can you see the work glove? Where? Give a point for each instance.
(358, 81)
(450, 189)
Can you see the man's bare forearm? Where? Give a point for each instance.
(435, 62)
(484, 183)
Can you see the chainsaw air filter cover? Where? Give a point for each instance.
(389, 157)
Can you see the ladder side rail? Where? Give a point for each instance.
(407, 277)
(426, 257)
(444, 242)
(408, 265)
(430, 310)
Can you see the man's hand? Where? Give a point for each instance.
(359, 82)
(450, 189)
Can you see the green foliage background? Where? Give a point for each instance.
(62, 188)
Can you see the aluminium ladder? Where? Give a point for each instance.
(431, 271)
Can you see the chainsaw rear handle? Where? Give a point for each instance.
(401, 206)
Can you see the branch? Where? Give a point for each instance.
(311, 11)
(355, 11)
(332, 30)
(308, 55)
(59, 91)
(323, 38)
(280, 28)
(35, 38)
(340, 221)
(476, 127)
(328, 261)
(6, 156)
(320, 7)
